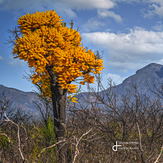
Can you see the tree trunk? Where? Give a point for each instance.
(59, 110)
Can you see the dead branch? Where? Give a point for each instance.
(78, 141)
(159, 155)
(51, 146)
(19, 148)
(140, 142)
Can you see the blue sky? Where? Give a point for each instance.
(129, 32)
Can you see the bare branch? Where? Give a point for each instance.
(77, 151)
(50, 147)
(140, 142)
(159, 155)
(18, 134)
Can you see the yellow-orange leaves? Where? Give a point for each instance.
(45, 42)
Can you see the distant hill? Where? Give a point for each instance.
(149, 75)
(20, 99)
(153, 73)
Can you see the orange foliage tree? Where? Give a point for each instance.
(56, 54)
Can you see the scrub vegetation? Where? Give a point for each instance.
(91, 132)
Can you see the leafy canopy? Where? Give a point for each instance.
(45, 41)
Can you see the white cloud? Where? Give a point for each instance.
(154, 7)
(105, 13)
(139, 1)
(147, 13)
(62, 6)
(154, 1)
(88, 4)
(1, 57)
(158, 10)
(128, 51)
(160, 62)
(92, 24)
(38, 5)
(1, 1)
(67, 6)
(127, 1)
(125, 66)
(117, 79)
(158, 26)
(64, 10)
(16, 62)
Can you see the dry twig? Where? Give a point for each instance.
(77, 151)
(159, 155)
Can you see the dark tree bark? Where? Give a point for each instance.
(59, 110)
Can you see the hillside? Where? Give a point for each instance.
(150, 74)
(144, 78)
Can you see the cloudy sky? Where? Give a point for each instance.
(129, 34)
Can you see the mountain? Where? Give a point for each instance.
(145, 78)
(152, 74)
(20, 99)
(149, 75)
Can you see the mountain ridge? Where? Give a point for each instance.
(152, 73)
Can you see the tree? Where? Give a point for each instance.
(54, 51)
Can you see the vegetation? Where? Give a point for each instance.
(55, 54)
(90, 133)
